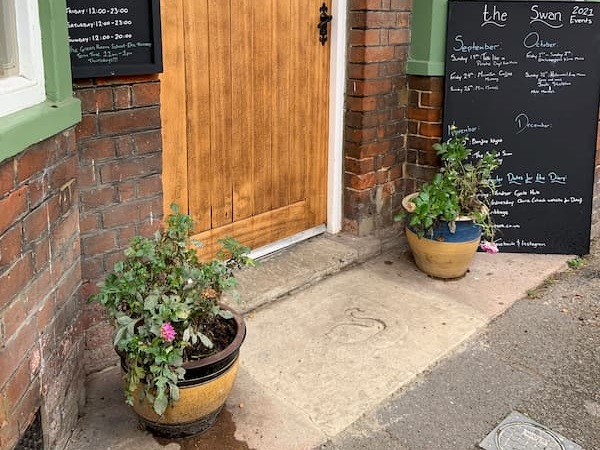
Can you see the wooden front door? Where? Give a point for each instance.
(244, 98)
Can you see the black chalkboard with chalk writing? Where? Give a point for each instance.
(523, 78)
(114, 37)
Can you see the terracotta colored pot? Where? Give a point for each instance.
(444, 254)
(202, 393)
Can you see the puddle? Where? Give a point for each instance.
(221, 436)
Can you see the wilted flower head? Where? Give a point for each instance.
(210, 293)
(489, 247)
(167, 331)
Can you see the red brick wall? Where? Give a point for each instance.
(40, 278)
(425, 105)
(376, 97)
(120, 191)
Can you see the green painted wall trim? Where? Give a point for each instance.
(429, 68)
(60, 110)
(32, 125)
(55, 45)
(428, 41)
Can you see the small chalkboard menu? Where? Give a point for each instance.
(114, 37)
(523, 78)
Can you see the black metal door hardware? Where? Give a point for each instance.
(322, 26)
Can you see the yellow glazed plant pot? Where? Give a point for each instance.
(202, 393)
(445, 257)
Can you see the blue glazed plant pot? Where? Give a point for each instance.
(466, 230)
(444, 254)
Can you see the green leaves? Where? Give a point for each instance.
(161, 401)
(192, 336)
(151, 302)
(225, 314)
(436, 200)
(187, 335)
(205, 340)
(463, 187)
(124, 331)
(160, 280)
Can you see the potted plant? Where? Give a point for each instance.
(178, 346)
(447, 218)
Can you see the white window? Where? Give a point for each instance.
(9, 63)
(21, 58)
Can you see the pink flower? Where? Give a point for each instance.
(167, 331)
(489, 247)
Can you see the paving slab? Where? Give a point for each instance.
(108, 423)
(263, 420)
(342, 346)
(303, 264)
(492, 284)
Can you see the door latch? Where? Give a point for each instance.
(322, 26)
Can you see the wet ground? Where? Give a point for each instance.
(221, 436)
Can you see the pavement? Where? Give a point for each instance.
(350, 346)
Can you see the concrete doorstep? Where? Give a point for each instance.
(335, 327)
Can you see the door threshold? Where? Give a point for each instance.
(269, 249)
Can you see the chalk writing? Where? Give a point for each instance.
(523, 122)
(494, 16)
(113, 36)
(582, 16)
(552, 19)
(533, 40)
(519, 76)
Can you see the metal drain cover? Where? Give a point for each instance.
(518, 432)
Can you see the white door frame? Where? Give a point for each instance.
(337, 86)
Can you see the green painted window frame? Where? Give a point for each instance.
(60, 110)
(428, 37)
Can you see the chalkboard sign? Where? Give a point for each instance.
(523, 78)
(114, 37)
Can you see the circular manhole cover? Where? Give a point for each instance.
(518, 435)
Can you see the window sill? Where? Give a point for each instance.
(32, 125)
